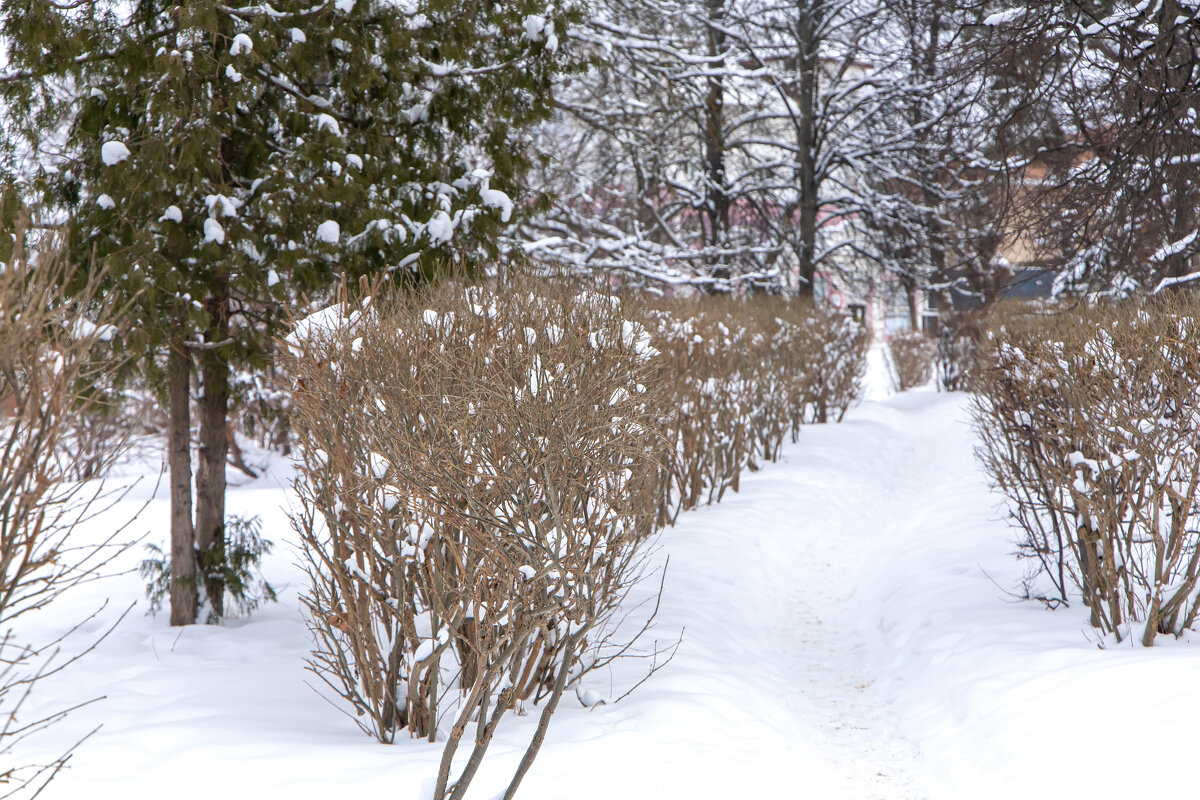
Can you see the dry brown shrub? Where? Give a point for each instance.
(710, 369)
(48, 369)
(910, 362)
(1089, 421)
(744, 374)
(477, 481)
(832, 354)
(959, 335)
(481, 468)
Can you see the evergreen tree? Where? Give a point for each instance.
(225, 160)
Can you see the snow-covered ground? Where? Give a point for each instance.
(846, 634)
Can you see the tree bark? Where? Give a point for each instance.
(214, 450)
(179, 464)
(927, 67)
(716, 198)
(483, 738)
(808, 58)
(913, 301)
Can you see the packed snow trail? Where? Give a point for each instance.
(772, 671)
(846, 633)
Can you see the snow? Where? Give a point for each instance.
(538, 29)
(325, 122)
(440, 228)
(86, 329)
(213, 232)
(977, 678)
(379, 465)
(113, 152)
(106, 202)
(219, 205)
(241, 44)
(535, 24)
(321, 326)
(298, 36)
(329, 232)
(1004, 17)
(494, 198)
(1176, 247)
(172, 214)
(846, 633)
(233, 74)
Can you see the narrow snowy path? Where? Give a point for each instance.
(780, 652)
(762, 583)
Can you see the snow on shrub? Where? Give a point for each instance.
(1089, 425)
(831, 351)
(744, 375)
(910, 360)
(475, 486)
(480, 469)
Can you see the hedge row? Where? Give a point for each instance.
(480, 470)
(1089, 421)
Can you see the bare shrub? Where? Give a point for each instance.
(115, 413)
(743, 376)
(910, 361)
(834, 362)
(89, 439)
(710, 367)
(477, 477)
(1089, 425)
(959, 335)
(261, 413)
(48, 371)
(479, 470)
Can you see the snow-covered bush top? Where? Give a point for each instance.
(1090, 422)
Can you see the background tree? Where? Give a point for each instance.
(1114, 197)
(638, 156)
(829, 86)
(936, 204)
(711, 142)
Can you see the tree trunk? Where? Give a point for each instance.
(808, 59)
(716, 199)
(179, 464)
(214, 450)
(922, 116)
(913, 301)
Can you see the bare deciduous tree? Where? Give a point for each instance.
(713, 142)
(1113, 191)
